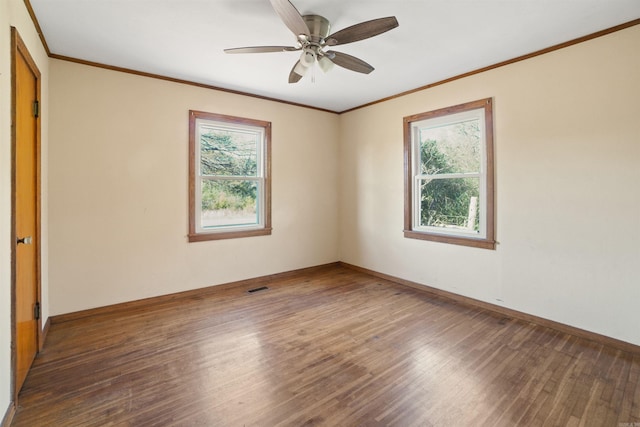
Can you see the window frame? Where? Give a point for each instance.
(198, 234)
(411, 196)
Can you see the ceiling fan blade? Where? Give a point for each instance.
(262, 49)
(293, 76)
(349, 62)
(291, 17)
(362, 31)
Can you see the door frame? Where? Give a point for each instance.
(19, 48)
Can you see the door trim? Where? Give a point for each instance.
(19, 48)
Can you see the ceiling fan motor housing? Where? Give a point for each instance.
(319, 27)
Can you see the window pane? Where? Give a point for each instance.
(227, 203)
(450, 203)
(228, 152)
(453, 148)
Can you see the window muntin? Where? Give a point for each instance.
(449, 175)
(229, 177)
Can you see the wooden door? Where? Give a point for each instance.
(26, 192)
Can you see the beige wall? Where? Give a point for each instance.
(14, 14)
(118, 189)
(567, 139)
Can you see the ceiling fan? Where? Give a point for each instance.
(312, 35)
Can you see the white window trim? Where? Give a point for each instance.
(476, 114)
(259, 178)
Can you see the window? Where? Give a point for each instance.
(229, 177)
(449, 175)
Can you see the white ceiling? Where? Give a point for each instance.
(436, 40)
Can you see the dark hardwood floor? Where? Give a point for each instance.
(331, 347)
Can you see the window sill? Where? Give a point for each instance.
(455, 240)
(203, 237)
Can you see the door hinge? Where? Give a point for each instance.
(36, 108)
(36, 311)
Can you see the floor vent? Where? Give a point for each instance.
(262, 288)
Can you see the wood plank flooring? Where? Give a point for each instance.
(334, 347)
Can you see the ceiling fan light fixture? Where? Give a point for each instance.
(325, 64)
(300, 69)
(307, 58)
